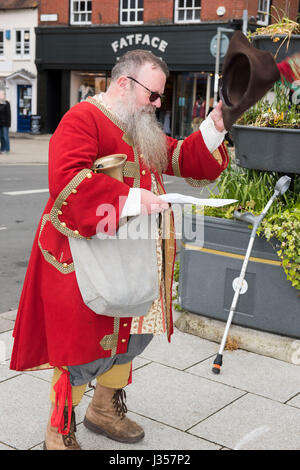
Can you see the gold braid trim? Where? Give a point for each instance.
(41, 367)
(65, 193)
(169, 252)
(106, 112)
(64, 268)
(199, 183)
(202, 183)
(217, 155)
(131, 169)
(175, 159)
(110, 342)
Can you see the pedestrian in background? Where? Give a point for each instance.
(4, 122)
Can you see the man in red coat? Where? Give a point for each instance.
(54, 327)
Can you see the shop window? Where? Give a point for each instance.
(81, 12)
(131, 11)
(22, 42)
(263, 12)
(87, 84)
(187, 11)
(1, 43)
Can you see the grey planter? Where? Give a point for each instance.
(265, 43)
(206, 274)
(266, 148)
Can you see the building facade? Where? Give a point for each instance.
(79, 41)
(18, 73)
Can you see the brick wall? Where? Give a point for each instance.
(289, 7)
(158, 11)
(234, 9)
(106, 12)
(60, 7)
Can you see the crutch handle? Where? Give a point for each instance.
(244, 217)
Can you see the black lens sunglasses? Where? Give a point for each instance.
(154, 95)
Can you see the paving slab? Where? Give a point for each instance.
(183, 351)
(139, 362)
(295, 401)
(45, 374)
(24, 410)
(5, 325)
(158, 436)
(6, 373)
(176, 398)
(253, 423)
(6, 344)
(4, 447)
(257, 374)
(11, 315)
(26, 152)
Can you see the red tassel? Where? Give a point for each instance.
(63, 395)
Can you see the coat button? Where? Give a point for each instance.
(125, 324)
(59, 212)
(89, 175)
(63, 224)
(123, 340)
(74, 191)
(143, 172)
(76, 232)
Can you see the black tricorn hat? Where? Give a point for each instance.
(248, 73)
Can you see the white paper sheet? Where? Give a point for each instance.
(176, 198)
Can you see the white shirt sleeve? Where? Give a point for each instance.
(132, 205)
(212, 138)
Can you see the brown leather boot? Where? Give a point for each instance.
(106, 415)
(56, 441)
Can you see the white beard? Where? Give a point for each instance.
(146, 133)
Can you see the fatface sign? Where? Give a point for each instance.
(139, 39)
(183, 48)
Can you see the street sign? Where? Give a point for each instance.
(224, 43)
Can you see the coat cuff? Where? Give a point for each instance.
(212, 138)
(132, 206)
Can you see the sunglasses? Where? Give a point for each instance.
(154, 95)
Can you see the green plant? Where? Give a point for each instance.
(282, 26)
(281, 226)
(280, 114)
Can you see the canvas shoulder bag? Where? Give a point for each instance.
(118, 276)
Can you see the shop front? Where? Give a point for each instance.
(20, 89)
(74, 63)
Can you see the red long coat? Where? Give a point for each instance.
(53, 325)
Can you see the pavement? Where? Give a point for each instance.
(254, 404)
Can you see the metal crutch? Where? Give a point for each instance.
(280, 188)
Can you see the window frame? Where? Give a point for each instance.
(24, 52)
(2, 43)
(85, 12)
(185, 9)
(136, 9)
(266, 13)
